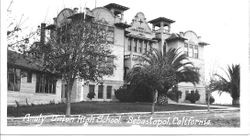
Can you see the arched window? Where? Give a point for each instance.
(196, 51)
(191, 50)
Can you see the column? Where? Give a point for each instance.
(162, 40)
(131, 52)
(122, 15)
(104, 92)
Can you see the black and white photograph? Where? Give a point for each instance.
(125, 67)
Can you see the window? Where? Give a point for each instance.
(150, 46)
(126, 69)
(14, 79)
(29, 77)
(197, 70)
(45, 83)
(110, 35)
(130, 44)
(91, 88)
(186, 48)
(110, 63)
(100, 91)
(146, 46)
(135, 49)
(195, 51)
(140, 49)
(109, 92)
(190, 50)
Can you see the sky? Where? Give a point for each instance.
(221, 23)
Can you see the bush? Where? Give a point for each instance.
(193, 96)
(174, 95)
(91, 95)
(140, 93)
(211, 99)
(123, 94)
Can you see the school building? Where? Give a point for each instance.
(129, 40)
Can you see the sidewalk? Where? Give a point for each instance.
(203, 105)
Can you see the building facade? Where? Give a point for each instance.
(28, 84)
(128, 42)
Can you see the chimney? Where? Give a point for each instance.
(42, 33)
(75, 10)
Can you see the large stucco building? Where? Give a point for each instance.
(128, 42)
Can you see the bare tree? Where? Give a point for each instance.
(18, 38)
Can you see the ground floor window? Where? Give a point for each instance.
(29, 77)
(45, 83)
(91, 88)
(100, 92)
(14, 79)
(109, 91)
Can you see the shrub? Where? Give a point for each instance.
(91, 95)
(142, 93)
(52, 102)
(123, 94)
(193, 96)
(174, 95)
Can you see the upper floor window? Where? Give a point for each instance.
(110, 35)
(146, 46)
(150, 46)
(140, 47)
(135, 49)
(130, 44)
(190, 50)
(195, 51)
(186, 48)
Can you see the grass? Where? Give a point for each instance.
(95, 108)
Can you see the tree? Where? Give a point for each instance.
(161, 71)
(78, 49)
(18, 38)
(229, 83)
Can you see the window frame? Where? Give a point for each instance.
(45, 83)
(29, 77)
(186, 49)
(109, 92)
(135, 47)
(100, 92)
(14, 85)
(196, 51)
(190, 50)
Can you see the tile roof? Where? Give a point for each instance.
(22, 61)
(159, 19)
(114, 5)
(175, 36)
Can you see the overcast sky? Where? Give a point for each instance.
(221, 23)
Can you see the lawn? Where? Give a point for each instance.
(95, 108)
